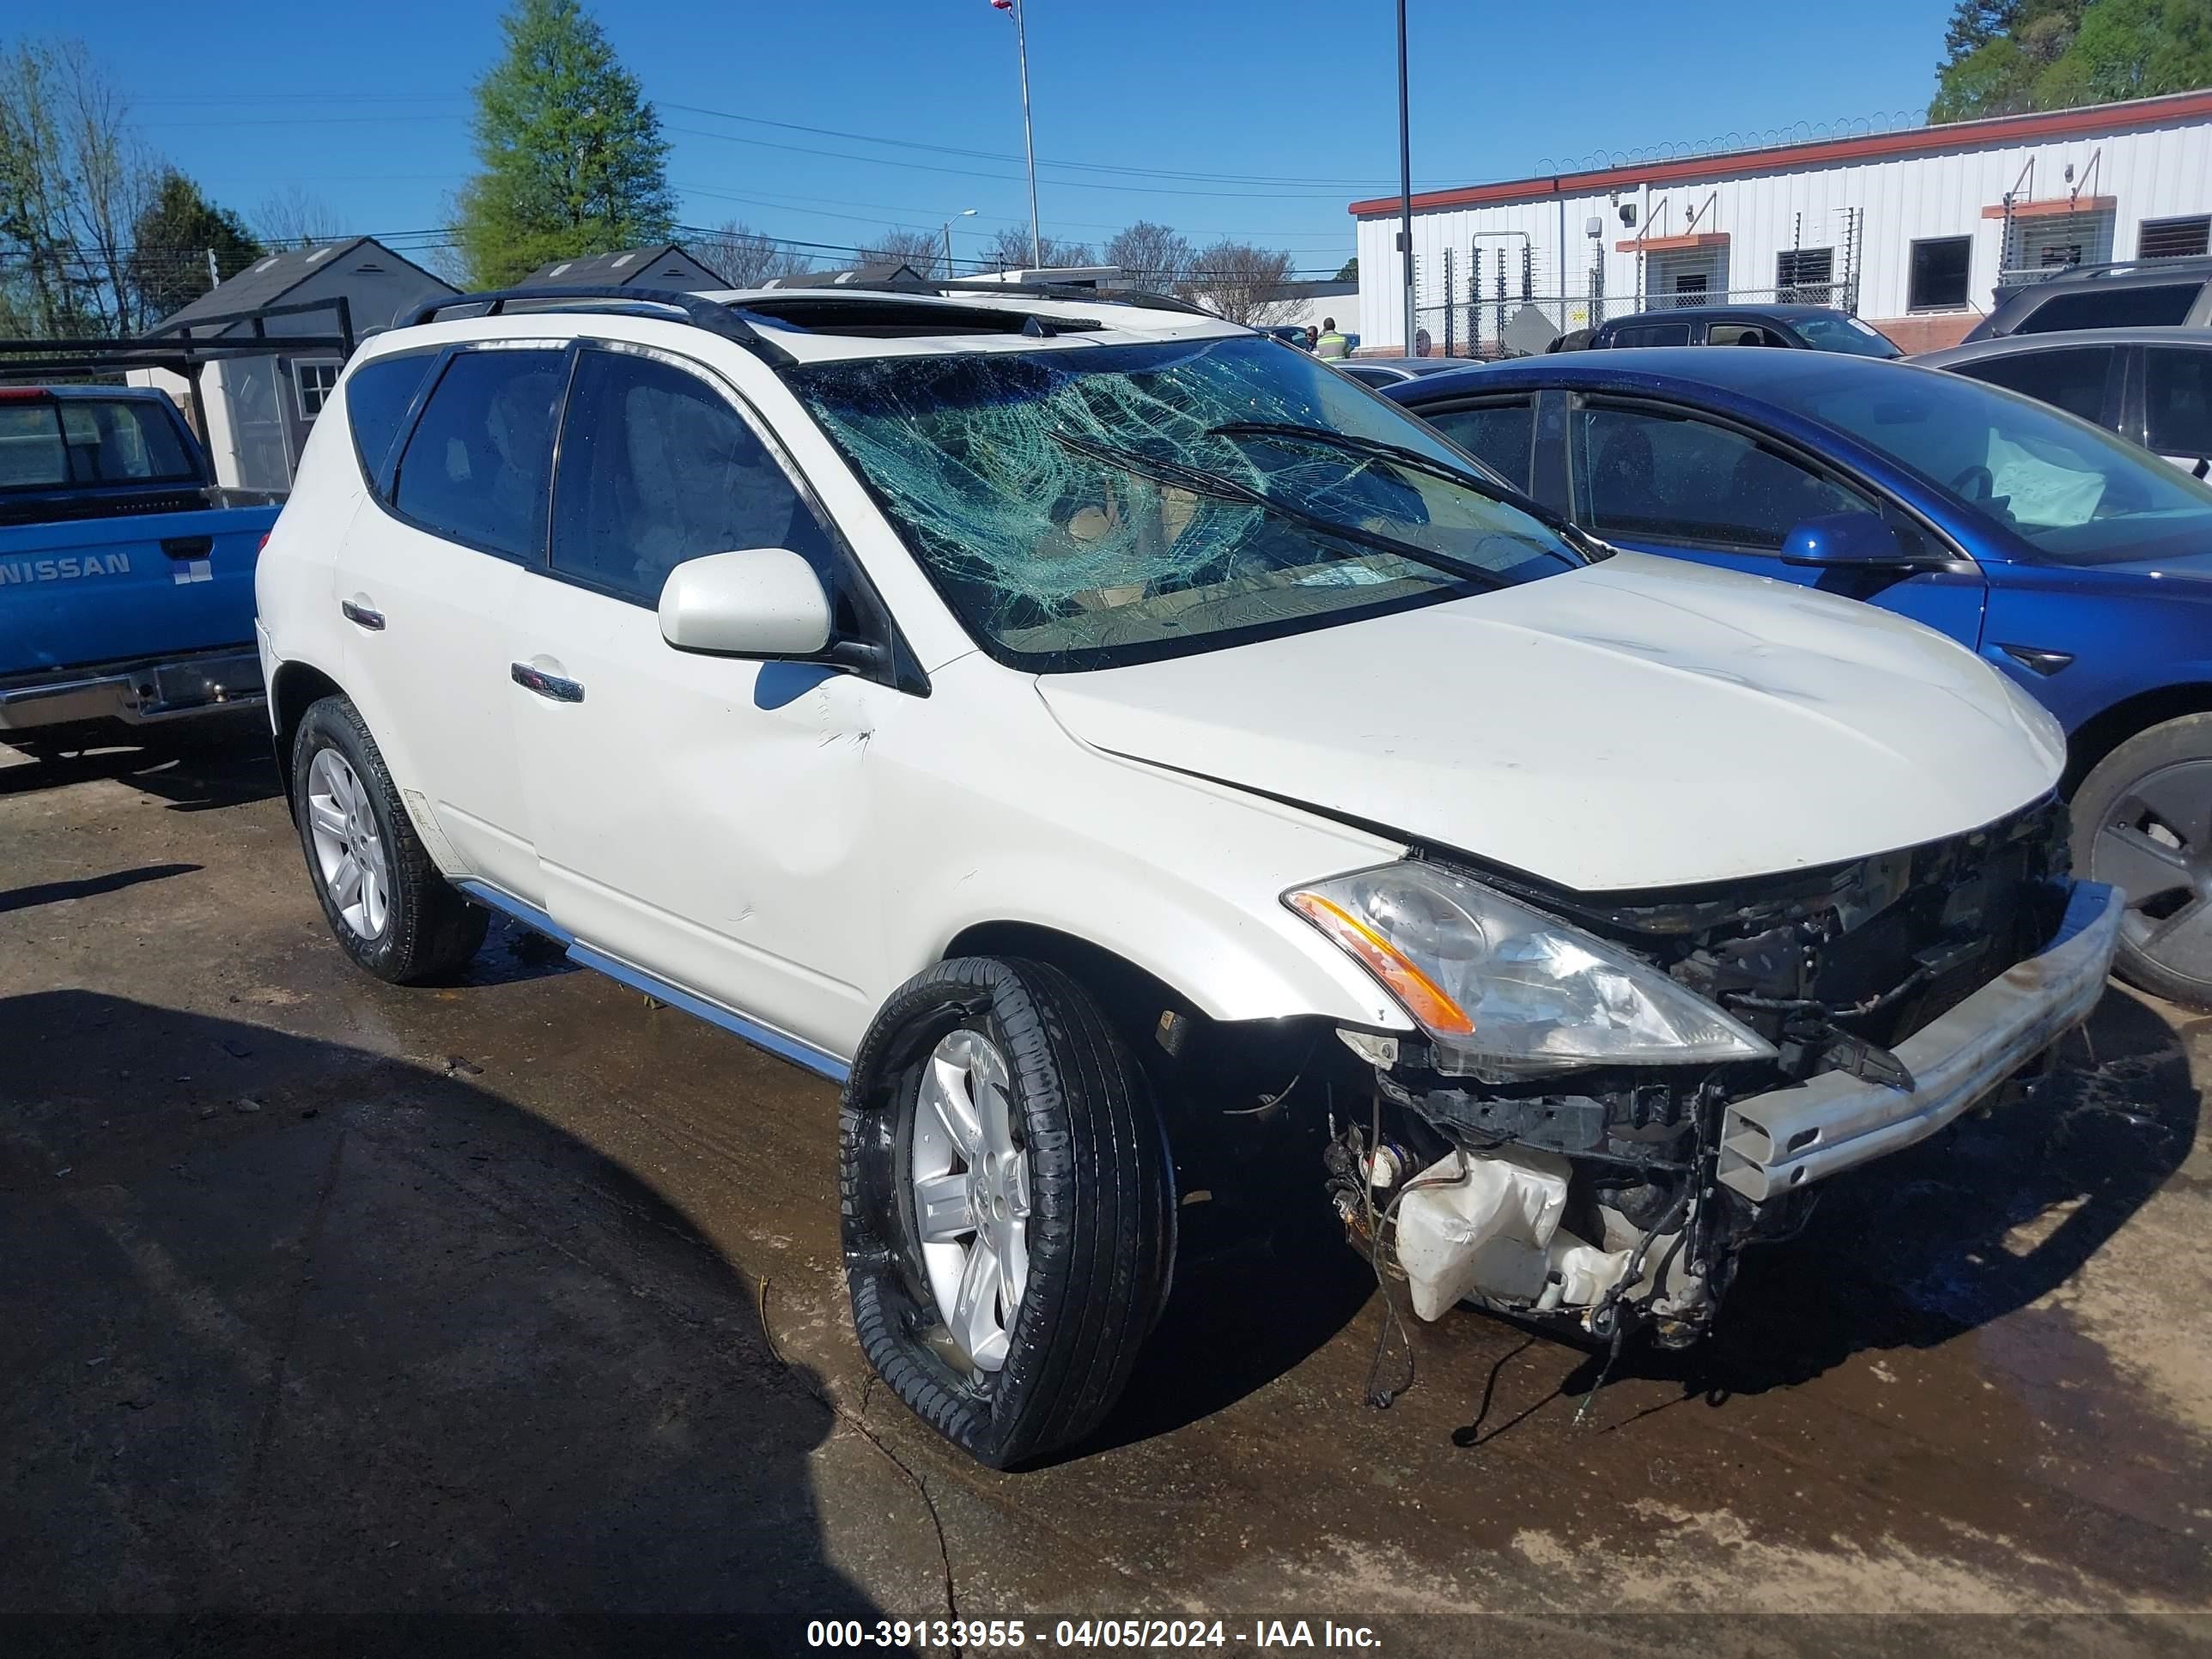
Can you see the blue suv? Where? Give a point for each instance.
(2076, 563)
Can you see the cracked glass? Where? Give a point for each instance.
(1083, 506)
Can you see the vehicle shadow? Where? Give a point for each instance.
(1973, 1224)
(196, 765)
(1249, 1303)
(365, 1356)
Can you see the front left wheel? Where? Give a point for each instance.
(1007, 1204)
(389, 907)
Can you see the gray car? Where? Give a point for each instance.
(2152, 385)
(2134, 293)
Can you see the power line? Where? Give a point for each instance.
(1335, 184)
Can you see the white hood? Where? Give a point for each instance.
(1642, 723)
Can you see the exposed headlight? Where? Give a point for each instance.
(1505, 991)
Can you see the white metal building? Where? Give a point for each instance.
(1912, 229)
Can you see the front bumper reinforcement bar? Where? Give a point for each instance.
(1781, 1140)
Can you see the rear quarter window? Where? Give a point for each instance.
(2112, 308)
(378, 395)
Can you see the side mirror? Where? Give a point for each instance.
(763, 602)
(1854, 540)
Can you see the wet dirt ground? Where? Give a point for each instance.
(328, 1301)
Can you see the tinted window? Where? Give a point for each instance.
(1652, 334)
(1643, 472)
(376, 399)
(1497, 435)
(656, 468)
(2178, 401)
(2090, 306)
(2073, 380)
(2074, 493)
(475, 469)
(50, 443)
(1939, 272)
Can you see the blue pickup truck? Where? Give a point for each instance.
(127, 577)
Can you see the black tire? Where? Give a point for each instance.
(430, 930)
(2142, 820)
(1101, 1229)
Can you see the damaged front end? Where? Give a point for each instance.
(1609, 1098)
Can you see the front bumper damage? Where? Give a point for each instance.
(1782, 1139)
(1900, 993)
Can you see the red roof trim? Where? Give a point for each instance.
(1918, 140)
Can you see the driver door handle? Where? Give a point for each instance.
(549, 686)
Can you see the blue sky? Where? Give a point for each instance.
(1290, 108)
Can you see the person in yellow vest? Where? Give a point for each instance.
(1331, 344)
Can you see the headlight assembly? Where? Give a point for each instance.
(1505, 991)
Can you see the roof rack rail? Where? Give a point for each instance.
(964, 287)
(710, 314)
(2119, 267)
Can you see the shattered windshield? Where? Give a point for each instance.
(1091, 506)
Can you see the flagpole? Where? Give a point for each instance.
(1029, 141)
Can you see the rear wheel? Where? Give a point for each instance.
(389, 907)
(1008, 1208)
(2143, 821)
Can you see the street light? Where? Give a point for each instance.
(965, 213)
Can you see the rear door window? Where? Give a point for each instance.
(657, 467)
(2074, 380)
(2178, 401)
(1497, 435)
(475, 469)
(2090, 306)
(1653, 473)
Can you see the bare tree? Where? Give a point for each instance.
(920, 248)
(744, 257)
(295, 218)
(1009, 250)
(73, 181)
(1244, 283)
(1151, 256)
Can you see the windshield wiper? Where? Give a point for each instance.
(1201, 482)
(1332, 439)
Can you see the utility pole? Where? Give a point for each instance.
(1404, 181)
(1028, 139)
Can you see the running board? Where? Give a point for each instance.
(766, 1037)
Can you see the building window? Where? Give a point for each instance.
(1803, 274)
(2174, 239)
(315, 381)
(1938, 281)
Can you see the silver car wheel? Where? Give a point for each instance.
(349, 846)
(971, 1196)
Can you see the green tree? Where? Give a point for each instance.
(170, 243)
(1349, 270)
(2006, 56)
(570, 157)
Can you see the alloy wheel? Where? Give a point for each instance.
(2156, 843)
(970, 1186)
(349, 846)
